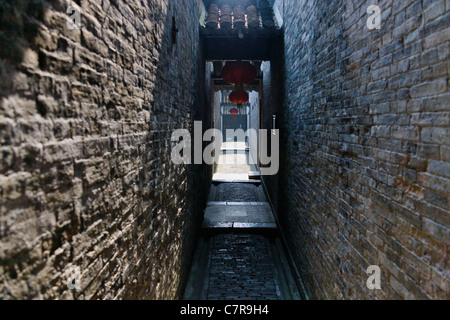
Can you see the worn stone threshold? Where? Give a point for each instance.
(239, 215)
(253, 181)
(233, 203)
(239, 225)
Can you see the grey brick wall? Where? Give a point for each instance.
(85, 123)
(366, 141)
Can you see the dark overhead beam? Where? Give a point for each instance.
(238, 49)
(220, 3)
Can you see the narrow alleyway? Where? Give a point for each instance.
(239, 255)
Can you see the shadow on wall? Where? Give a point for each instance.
(18, 27)
(85, 174)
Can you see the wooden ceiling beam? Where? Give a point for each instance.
(238, 49)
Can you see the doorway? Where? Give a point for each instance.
(238, 153)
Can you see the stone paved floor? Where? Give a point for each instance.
(237, 192)
(238, 215)
(241, 268)
(234, 165)
(237, 261)
(238, 205)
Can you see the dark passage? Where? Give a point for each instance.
(240, 256)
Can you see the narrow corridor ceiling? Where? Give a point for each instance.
(237, 18)
(239, 29)
(244, 3)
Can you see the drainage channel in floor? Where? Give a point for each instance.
(240, 255)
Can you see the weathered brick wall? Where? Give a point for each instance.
(366, 124)
(85, 173)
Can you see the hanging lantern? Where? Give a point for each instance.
(234, 111)
(239, 72)
(239, 97)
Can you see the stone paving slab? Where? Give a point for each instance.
(241, 269)
(234, 146)
(232, 203)
(234, 165)
(217, 225)
(241, 262)
(249, 215)
(232, 179)
(254, 225)
(239, 225)
(240, 266)
(238, 192)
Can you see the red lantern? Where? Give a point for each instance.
(239, 97)
(239, 72)
(234, 111)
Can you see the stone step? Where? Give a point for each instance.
(239, 255)
(238, 215)
(237, 192)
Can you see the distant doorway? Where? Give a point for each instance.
(232, 120)
(235, 160)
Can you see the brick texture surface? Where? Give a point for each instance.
(365, 124)
(86, 117)
(241, 268)
(236, 192)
